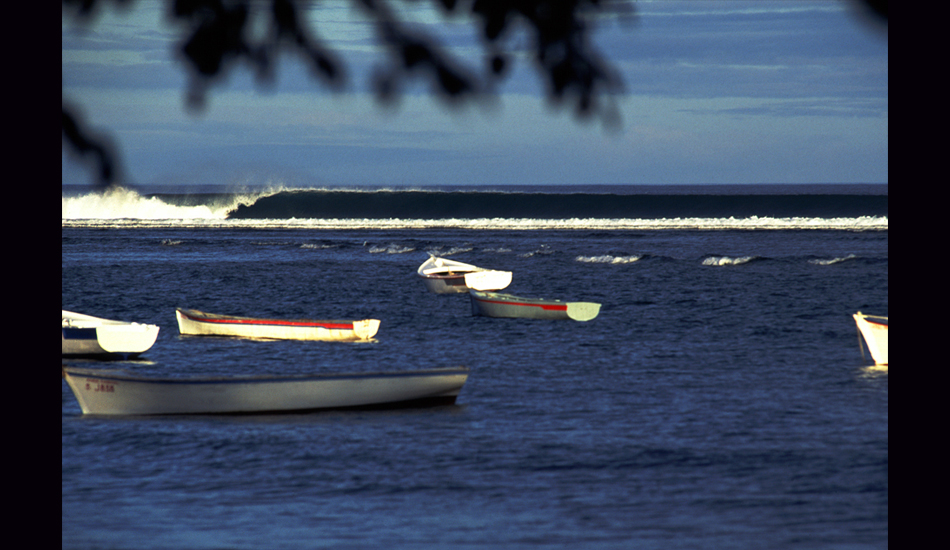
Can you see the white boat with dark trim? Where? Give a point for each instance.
(105, 392)
(88, 336)
(198, 323)
(444, 276)
(494, 304)
(874, 330)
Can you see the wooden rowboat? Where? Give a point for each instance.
(493, 304)
(874, 330)
(88, 336)
(443, 276)
(113, 393)
(198, 323)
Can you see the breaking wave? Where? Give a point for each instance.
(832, 261)
(607, 259)
(475, 209)
(120, 203)
(726, 260)
(391, 249)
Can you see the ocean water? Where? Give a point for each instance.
(720, 399)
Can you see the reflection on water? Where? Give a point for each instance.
(874, 371)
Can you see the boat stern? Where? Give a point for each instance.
(582, 311)
(366, 328)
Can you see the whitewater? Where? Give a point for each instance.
(127, 208)
(120, 203)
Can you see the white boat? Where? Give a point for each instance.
(874, 330)
(494, 304)
(443, 276)
(198, 323)
(88, 336)
(106, 392)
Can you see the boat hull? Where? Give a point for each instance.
(493, 304)
(445, 284)
(442, 276)
(88, 336)
(875, 336)
(197, 323)
(102, 392)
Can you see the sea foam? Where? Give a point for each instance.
(607, 259)
(832, 261)
(120, 203)
(866, 223)
(726, 260)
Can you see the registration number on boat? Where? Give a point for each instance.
(100, 386)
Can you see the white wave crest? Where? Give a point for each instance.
(390, 249)
(607, 259)
(833, 260)
(450, 252)
(864, 223)
(120, 203)
(726, 260)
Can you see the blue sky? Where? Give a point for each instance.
(714, 92)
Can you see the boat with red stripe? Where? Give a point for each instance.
(192, 322)
(495, 304)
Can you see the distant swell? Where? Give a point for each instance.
(315, 204)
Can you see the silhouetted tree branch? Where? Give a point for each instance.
(216, 36)
(94, 150)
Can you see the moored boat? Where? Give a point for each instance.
(444, 276)
(106, 392)
(198, 323)
(494, 304)
(88, 336)
(874, 330)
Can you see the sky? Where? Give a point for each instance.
(727, 92)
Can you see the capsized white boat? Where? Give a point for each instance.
(88, 336)
(494, 304)
(198, 323)
(874, 330)
(106, 392)
(444, 276)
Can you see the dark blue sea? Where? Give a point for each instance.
(721, 398)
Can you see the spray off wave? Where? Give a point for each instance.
(120, 203)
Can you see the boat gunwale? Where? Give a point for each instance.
(512, 300)
(541, 304)
(448, 274)
(871, 318)
(214, 318)
(261, 378)
(430, 268)
(71, 319)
